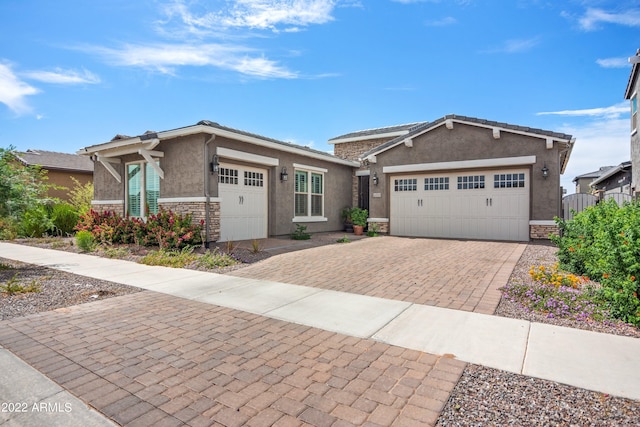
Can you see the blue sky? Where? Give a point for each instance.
(75, 73)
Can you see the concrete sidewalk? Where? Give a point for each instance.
(594, 361)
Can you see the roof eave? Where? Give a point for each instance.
(211, 130)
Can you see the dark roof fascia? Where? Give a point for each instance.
(428, 126)
(632, 78)
(375, 132)
(206, 126)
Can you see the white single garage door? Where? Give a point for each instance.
(243, 208)
(491, 205)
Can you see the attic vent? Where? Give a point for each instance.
(119, 136)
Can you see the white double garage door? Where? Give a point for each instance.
(488, 204)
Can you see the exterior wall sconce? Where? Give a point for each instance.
(375, 178)
(284, 176)
(214, 165)
(545, 171)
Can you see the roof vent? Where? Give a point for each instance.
(207, 123)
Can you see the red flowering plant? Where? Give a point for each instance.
(165, 229)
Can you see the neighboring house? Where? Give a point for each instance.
(616, 180)
(61, 168)
(457, 177)
(633, 85)
(583, 182)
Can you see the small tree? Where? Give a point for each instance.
(21, 187)
(80, 196)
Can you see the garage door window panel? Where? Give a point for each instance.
(436, 183)
(509, 180)
(228, 176)
(406, 184)
(471, 182)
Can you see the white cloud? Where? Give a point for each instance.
(599, 142)
(165, 57)
(515, 46)
(443, 22)
(276, 15)
(593, 17)
(60, 76)
(622, 62)
(602, 139)
(611, 112)
(13, 91)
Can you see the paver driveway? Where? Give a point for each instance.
(457, 274)
(152, 359)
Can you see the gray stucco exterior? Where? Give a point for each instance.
(189, 186)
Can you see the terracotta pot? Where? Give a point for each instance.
(358, 230)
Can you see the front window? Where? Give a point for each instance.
(143, 190)
(309, 194)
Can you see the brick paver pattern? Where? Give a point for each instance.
(456, 274)
(152, 359)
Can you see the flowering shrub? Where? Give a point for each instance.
(603, 242)
(557, 294)
(551, 276)
(165, 229)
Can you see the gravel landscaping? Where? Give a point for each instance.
(482, 397)
(490, 397)
(58, 289)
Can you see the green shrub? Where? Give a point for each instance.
(36, 222)
(80, 196)
(170, 258)
(13, 286)
(85, 241)
(603, 243)
(359, 216)
(300, 233)
(216, 259)
(8, 228)
(344, 239)
(65, 218)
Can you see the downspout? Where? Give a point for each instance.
(207, 196)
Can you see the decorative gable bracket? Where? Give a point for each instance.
(106, 162)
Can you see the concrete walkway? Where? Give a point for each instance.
(599, 362)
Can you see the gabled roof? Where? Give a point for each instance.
(610, 172)
(389, 131)
(495, 126)
(52, 160)
(123, 145)
(632, 78)
(594, 174)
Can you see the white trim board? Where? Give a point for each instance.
(200, 199)
(462, 164)
(228, 153)
(310, 168)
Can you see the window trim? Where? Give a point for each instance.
(143, 189)
(309, 171)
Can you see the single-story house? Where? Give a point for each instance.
(455, 177)
(61, 168)
(615, 181)
(583, 181)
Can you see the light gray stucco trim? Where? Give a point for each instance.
(462, 164)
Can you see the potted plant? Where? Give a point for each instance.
(359, 218)
(346, 219)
